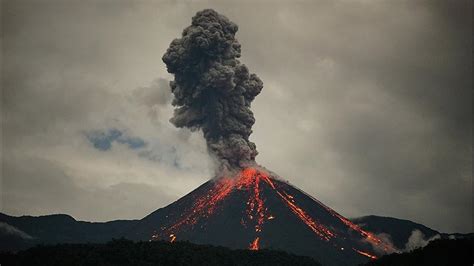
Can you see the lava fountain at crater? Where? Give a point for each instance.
(257, 187)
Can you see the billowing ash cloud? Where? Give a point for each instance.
(212, 89)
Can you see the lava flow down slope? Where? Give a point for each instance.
(257, 210)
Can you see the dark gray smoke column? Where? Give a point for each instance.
(212, 89)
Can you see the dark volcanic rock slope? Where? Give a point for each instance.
(256, 210)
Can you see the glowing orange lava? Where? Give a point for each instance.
(365, 254)
(204, 206)
(371, 238)
(256, 211)
(254, 245)
(249, 177)
(172, 238)
(318, 229)
(252, 181)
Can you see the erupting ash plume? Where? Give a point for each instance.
(212, 89)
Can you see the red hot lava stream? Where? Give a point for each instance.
(251, 180)
(254, 245)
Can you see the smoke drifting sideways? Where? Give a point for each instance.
(212, 90)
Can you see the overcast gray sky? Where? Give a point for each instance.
(366, 106)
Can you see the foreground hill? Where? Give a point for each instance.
(18, 233)
(125, 252)
(441, 252)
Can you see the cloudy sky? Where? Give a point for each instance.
(366, 106)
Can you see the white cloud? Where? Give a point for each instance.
(417, 240)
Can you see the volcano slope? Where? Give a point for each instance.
(256, 210)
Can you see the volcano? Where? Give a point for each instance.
(252, 208)
(255, 209)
